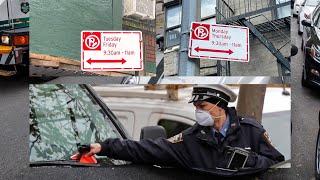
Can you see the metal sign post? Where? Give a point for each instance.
(191, 11)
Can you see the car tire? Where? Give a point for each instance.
(302, 44)
(317, 157)
(300, 32)
(304, 80)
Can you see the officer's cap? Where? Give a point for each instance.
(218, 92)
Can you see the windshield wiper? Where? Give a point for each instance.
(62, 163)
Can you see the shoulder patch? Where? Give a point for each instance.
(176, 139)
(266, 138)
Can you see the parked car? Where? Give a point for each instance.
(63, 118)
(311, 47)
(297, 7)
(136, 110)
(317, 158)
(306, 11)
(54, 135)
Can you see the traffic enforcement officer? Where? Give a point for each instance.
(220, 143)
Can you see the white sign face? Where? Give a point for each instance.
(219, 42)
(111, 51)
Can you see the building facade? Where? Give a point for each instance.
(140, 16)
(262, 61)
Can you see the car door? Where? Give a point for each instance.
(309, 30)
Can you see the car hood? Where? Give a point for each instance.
(101, 162)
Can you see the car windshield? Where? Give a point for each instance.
(63, 117)
(312, 2)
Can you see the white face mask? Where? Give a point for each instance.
(204, 118)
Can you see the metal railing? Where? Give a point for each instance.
(232, 10)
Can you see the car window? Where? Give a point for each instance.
(311, 3)
(315, 15)
(173, 127)
(316, 21)
(62, 117)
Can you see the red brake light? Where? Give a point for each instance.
(21, 40)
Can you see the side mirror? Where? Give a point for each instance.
(306, 23)
(153, 132)
(294, 50)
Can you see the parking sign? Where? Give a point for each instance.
(111, 51)
(219, 42)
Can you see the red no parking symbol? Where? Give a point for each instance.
(201, 31)
(91, 41)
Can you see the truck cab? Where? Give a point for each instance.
(14, 37)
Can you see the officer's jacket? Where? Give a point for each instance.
(197, 149)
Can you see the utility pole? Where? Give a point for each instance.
(251, 100)
(191, 12)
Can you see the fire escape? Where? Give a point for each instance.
(263, 18)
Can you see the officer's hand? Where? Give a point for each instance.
(94, 149)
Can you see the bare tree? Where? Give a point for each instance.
(251, 100)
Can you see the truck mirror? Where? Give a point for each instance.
(153, 132)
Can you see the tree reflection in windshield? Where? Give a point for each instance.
(62, 117)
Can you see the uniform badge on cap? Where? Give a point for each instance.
(176, 139)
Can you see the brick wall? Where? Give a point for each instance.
(147, 27)
(171, 63)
